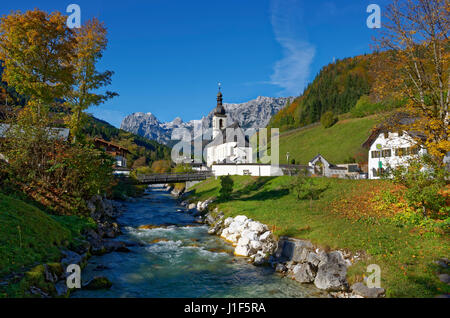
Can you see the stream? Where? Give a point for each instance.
(180, 259)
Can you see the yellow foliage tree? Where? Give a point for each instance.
(90, 43)
(415, 64)
(36, 50)
(161, 166)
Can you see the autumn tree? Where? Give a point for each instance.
(90, 43)
(413, 42)
(36, 50)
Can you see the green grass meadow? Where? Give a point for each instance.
(336, 143)
(404, 255)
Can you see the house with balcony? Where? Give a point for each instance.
(117, 152)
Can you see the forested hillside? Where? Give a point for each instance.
(337, 88)
(140, 147)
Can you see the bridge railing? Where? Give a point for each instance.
(174, 177)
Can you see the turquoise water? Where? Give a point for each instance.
(180, 259)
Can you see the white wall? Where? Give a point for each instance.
(392, 142)
(228, 151)
(243, 169)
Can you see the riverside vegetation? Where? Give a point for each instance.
(54, 209)
(366, 217)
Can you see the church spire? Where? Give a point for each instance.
(220, 110)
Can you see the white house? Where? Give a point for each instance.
(230, 144)
(319, 166)
(389, 150)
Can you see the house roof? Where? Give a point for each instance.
(107, 143)
(396, 120)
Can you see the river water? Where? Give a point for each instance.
(180, 259)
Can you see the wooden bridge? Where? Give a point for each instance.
(173, 177)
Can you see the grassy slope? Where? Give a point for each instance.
(29, 236)
(405, 256)
(336, 143)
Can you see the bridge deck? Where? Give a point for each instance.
(173, 177)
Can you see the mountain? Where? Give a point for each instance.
(138, 146)
(338, 87)
(253, 114)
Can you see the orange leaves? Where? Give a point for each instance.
(370, 199)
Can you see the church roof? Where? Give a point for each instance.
(219, 110)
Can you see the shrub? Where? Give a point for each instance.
(308, 188)
(226, 187)
(328, 119)
(53, 172)
(161, 166)
(424, 180)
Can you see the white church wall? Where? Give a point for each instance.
(255, 170)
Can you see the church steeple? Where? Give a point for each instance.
(220, 117)
(219, 110)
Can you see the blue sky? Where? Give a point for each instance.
(168, 55)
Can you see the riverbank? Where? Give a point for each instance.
(36, 247)
(172, 255)
(406, 254)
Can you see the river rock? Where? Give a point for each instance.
(280, 268)
(98, 283)
(303, 273)
(192, 206)
(256, 227)
(49, 275)
(265, 236)
(250, 235)
(61, 289)
(242, 250)
(69, 258)
(331, 277)
(256, 245)
(228, 221)
(260, 259)
(290, 249)
(366, 292)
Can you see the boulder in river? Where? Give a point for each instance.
(304, 273)
(361, 289)
(98, 283)
(331, 277)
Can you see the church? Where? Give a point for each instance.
(230, 145)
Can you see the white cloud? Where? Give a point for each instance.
(291, 73)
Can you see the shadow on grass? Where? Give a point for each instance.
(267, 195)
(252, 187)
(294, 232)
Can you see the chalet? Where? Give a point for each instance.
(389, 149)
(319, 166)
(118, 152)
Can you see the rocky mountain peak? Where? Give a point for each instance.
(253, 114)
